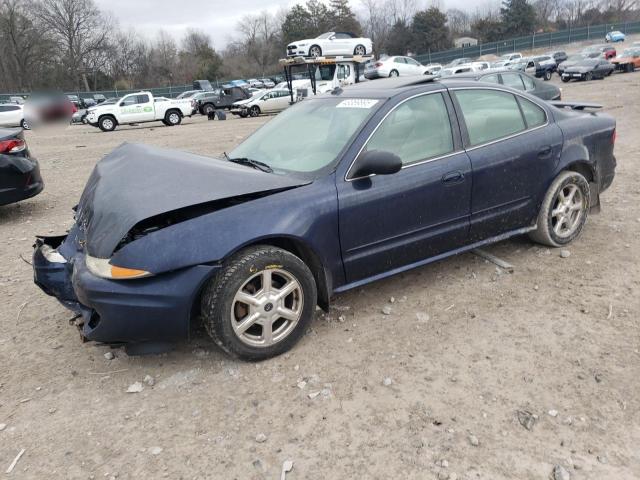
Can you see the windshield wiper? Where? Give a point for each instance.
(250, 163)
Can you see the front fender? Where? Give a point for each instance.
(307, 215)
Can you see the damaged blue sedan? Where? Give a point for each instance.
(338, 191)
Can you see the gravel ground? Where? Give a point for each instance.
(441, 387)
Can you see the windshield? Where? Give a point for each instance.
(325, 35)
(309, 136)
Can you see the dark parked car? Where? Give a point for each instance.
(19, 172)
(571, 61)
(517, 80)
(221, 98)
(559, 56)
(588, 69)
(385, 176)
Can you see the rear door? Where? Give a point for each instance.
(10, 115)
(389, 221)
(514, 147)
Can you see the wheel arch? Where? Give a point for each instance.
(110, 115)
(173, 109)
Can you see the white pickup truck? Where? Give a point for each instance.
(139, 108)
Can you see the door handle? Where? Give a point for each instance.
(452, 177)
(545, 152)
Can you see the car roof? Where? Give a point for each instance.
(391, 87)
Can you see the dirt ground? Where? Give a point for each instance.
(399, 396)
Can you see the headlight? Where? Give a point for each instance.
(101, 267)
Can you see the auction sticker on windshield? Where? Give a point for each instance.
(357, 103)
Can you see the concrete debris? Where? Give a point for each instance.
(473, 440)
(422, 317)
(155, 450)
(387, 382)
(149, 380)
(313, 395)
(135, 388)
(261, 438)
(109, 356)
(386, 310)
(553, 413)
(3, 426)
(301, 384)
(565, 253)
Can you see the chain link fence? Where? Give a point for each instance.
(540, 40)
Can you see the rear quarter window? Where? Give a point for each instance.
(489, 114)
(533, 114)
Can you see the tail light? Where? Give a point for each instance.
(378, 64)
(14, 145)
(74, 109)
(614, 136)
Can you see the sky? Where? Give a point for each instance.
(217, 18)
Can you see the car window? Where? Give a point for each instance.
(512, 80)
(343, 36)
(489, 114)
(416, 130)
(493, 78)
(132, 100)
(533, 114)
(3, 108)
(399, 60)
(143, 98)
(411, 61)
(529, 84)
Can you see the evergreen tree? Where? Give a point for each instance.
(430, 31)
(343, 17)
(399, 40)
(518, 18)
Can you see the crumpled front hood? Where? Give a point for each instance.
(136, 182)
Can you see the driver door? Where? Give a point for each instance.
(135, 108)
(390, 221)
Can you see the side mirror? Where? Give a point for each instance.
(376, 162)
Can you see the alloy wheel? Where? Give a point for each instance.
(174, 119)
(568, 210)
(267, 308)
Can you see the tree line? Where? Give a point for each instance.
(73, 45)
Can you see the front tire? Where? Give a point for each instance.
(588, 76)
(547, 75)
(315, 51)
(107, 124)
(394, 73)
(260, 303)
(254, 111)
(564, 210)
(565, 79)
(360, 50)
(207, 109)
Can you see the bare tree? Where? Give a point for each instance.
(458, 21)
(79, 31)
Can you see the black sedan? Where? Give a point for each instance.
(336, 192)
(588, 69)
(19, 172)
(515, 79)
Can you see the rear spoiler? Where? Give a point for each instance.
(576, 105)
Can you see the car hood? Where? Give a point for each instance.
(244, 102)
(137, 182)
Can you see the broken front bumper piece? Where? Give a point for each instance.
(150, 311)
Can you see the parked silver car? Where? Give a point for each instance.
(393, 67)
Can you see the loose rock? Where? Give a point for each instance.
(422, 317)
(149, 380)
(386, 310)
(565, 253)
(155, 450)
(526, 419)
(387, 382)
(553, 413)
(473, 440)
(3, 426)
(261, 438)
(560, 473)
(109, 356)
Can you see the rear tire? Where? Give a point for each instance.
(394, 73)
(24, 125)
(172, 118)
(242, 313)
(564, 210)
(360, 50)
